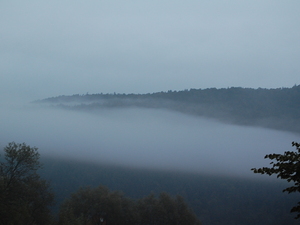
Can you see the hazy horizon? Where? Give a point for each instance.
(64, 48)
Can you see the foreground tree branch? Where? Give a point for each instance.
(286, 166)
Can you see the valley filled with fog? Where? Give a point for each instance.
(143, 138)
(155, 96)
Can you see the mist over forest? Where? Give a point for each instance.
(195, 130)
(276, 108)
(219, 134)
(150, 96)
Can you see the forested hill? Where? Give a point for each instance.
(272, 108)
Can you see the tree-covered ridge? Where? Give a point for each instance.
(273, 108)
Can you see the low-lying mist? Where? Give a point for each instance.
(143, 138)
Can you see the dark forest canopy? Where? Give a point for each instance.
(271, 108)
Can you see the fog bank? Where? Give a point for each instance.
(143, 138)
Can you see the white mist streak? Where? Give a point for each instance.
(144, 139)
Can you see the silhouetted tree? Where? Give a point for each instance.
(89, 205)
(165, 210)
(84, 205)
(287, 167)
(24, 196)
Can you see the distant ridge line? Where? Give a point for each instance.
(276, 108)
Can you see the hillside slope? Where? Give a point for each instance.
(271, 108)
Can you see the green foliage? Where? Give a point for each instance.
(287, 167)
(24, 196)
(84, 205)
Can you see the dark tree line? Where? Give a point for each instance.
(90, 204)
(273, 108)
(25, 198)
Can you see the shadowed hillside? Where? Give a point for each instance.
(271, 108)
(215, 199)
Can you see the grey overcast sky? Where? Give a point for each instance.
(50, 48)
